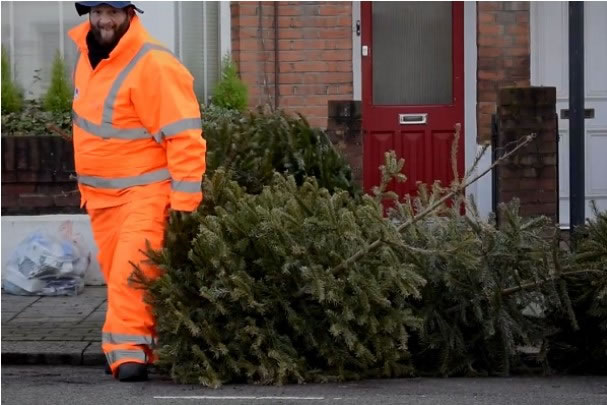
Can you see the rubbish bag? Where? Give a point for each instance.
(47, 264)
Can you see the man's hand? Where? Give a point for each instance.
(181, 216)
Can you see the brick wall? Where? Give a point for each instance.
(531, 174)
(313, 59)
(503, 55)
(38, 176)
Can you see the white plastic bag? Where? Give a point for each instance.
(47, 264)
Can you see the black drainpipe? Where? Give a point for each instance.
(495, 171)
(576, 114)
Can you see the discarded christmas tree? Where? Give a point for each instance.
(251, 296)
(252, 146)
(295, 283)
(580, 346)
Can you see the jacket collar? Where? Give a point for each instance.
(130, 42)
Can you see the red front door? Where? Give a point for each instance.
(413, 89)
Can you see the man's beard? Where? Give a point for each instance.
(119, 31)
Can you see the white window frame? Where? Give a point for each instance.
(225, 36)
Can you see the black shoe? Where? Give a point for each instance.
(108, 370)
(133, 372)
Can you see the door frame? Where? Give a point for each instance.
(481, 190)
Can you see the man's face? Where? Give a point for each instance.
(109, 24)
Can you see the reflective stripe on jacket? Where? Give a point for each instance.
(137, 128)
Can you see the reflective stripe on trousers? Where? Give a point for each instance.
(123, 354)
(120, 338)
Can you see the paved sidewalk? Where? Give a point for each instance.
(53, 330)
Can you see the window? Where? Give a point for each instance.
(32, 32)
(197, 34)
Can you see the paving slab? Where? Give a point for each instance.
(53, 330)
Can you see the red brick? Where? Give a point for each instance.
(491, 75)
(249, 44)
(486, 17)
(488, 6)
(517, 51)
(247, 9)
(334, 34)
(489, 51)
(485, 63)
(339, 66)
(489, 29)
(344, 21)
(522, 17)
(317, 122)
(17, 188)
(305, 44)
(486, 107)
(27, 176)
(248, 67)
(337, 55)
(291, 34)
(329, 77)
(312, 111)
(538, 209)
(248, 21)
(292, 56)
(488, 96)
(306, 66)
(494, 41)
(548, 184)
(291, 78)
(486, 85)
(35, 200)
(342, 89)
(316, 100)
(521, 40)
(547, 147)
(518, 29)
(249, 57)
(10, 201)
(332, 9)
(290, 22)
(67, 200)
(338, 44)
(288, 10)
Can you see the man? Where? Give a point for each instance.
(139, 153)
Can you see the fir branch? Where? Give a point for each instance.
(432, 208)
(525, 286)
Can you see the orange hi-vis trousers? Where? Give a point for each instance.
(121, 234)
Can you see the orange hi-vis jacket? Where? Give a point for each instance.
(137, 127)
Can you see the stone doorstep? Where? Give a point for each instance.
(52, 353)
